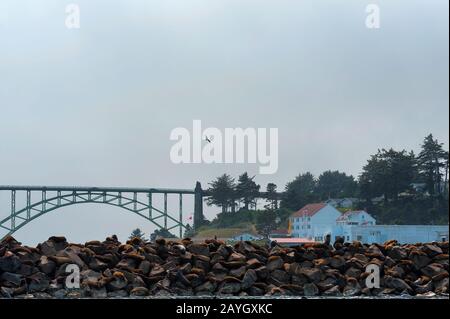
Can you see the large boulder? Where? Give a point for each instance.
(249, 279)
(274, 262)
(310, 289)
(398, 253)
(10, 262)
(199, 249)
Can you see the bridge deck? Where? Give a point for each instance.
(97, 189)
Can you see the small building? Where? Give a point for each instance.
(404, 234)
(279, 233)
(289, 242)
(245, 237)
(314, 221)
(358, 217)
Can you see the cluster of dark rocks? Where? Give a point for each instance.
(110, 269)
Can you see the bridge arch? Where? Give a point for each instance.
(137, 201)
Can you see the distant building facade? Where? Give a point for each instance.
(315, 221)
(404, 234)
(359, 217)
(342, 202)
(279, 233)
(245, 237)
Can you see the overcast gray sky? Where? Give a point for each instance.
(95, 106)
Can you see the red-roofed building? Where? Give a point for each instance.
(309, 210)
(314, 221)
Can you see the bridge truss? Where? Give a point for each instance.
(39, 200)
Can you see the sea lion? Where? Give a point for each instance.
(58, 239)
(135, 241)
(126, 248)
(327, 239)
(179, 249)
(160, 241)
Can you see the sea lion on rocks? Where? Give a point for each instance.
(179, 249)
(139, 292)
(327, 241)
(339, 242)
(160, 241)
(212, 268)
(186, 241)
(352, 288)
(135, 241)
(117, 282)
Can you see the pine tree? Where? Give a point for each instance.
(272, 196)
(247, 190)
(388, 173)
(300, 192)
(164, 233)
(137, 233)
(222, 193)
(432, 161)
(266, 222)
(334, 184)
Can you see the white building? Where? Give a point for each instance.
(245, 237)
(359, 217)
(314, 221)
(404, 234)
(342, 202)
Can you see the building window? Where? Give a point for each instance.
(348, 238)
(309, 226)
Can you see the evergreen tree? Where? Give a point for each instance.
(334, 184)
(222, 193)
(247, 190)
(272, 196)
(137, 233)
(164, 233)
(266, 222)
(299, 192)
(432, 162)
(387, 174)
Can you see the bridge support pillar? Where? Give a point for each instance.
(181, 214)
(198, 206)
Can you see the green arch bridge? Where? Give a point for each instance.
(30, 202)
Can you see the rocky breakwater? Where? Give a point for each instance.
(111, 269)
